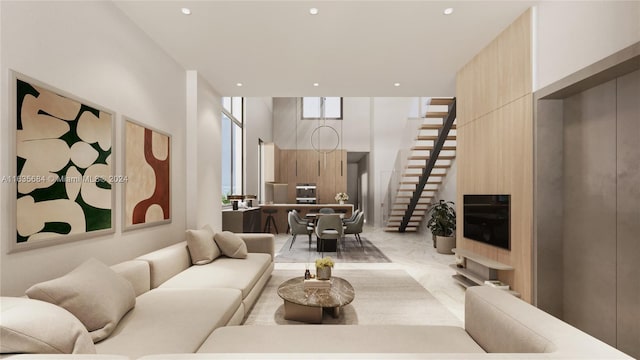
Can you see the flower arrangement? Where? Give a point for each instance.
(324, 262)
(342, 196)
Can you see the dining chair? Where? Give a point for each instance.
(329, 227)
(355, 227)
(298, 228)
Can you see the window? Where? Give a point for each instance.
(312, 108)
(232, 120)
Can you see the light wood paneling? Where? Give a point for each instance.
(495, 143)
(497, 75)
(311, 168)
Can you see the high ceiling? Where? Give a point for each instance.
(350, 48)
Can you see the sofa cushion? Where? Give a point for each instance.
(167, 262)
(241, 274)
(93, 292)
(340, 339)
(171, 321)
(201, 246)
(38, 327)
(138, 274)
(231, 245)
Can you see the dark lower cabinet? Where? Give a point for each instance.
(242, 220)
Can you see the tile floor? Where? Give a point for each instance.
(413, 252)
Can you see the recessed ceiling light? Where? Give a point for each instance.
(186, 11)
(316, 84)
(239, 84)
(396, 84)
(448, 11)
(314, 11)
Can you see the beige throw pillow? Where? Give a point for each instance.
(37, 327)
(92, 292)
(231, 245)
(201, 246)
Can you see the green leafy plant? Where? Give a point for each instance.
(325, 261)
(443, 219)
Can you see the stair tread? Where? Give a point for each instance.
(433, 137)
(430, 147)
(436, 114)
(435, 126)
(441, 101)
(408, 229)
(424, 157)
(437, 166)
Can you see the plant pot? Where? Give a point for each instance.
(341, 202)
(444, 244)
(323, 273)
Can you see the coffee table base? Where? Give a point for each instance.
(308, 314)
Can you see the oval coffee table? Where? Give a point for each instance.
(306, 305)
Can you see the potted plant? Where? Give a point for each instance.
(443, 225)
(341, 197)
(323, 268)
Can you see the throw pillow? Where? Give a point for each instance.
(201, 245)
(92, 292)
(37, 327)
(216, 249)
(231, 245)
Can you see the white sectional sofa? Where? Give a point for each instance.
(189, 312)
(177, 304)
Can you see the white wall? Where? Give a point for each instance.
(204, 128)
(258, 125)
(91, 50)
(354, 127)
(389, 118)
(574, 34)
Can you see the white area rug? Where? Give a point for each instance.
(382, 297)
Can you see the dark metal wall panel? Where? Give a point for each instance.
(590, 211)
(548, 215)
(628, 211)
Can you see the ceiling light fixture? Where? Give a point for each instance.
(396, 84)
(448, 11)
(316, 84)
(314, 11)
(186, 11)
(239, 84)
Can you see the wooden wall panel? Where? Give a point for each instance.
(329, 181)
(495, 143)
(497, 75)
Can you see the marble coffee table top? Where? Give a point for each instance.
(341, 293)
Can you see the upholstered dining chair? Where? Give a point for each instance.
(326, 211)
(352, 218)
(329, 227)
(297, 228)
(355, 227)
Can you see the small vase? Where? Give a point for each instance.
(323, 273)
(341, 202)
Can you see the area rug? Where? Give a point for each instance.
(349, 251)
(382, 297)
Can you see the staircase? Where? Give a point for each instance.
(428, 161)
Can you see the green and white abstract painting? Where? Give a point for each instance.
(64, 167)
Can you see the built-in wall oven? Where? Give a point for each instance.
(306, 193)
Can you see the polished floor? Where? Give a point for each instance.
(413, 252)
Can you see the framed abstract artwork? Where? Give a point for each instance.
(147, 169)
(64, 171)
